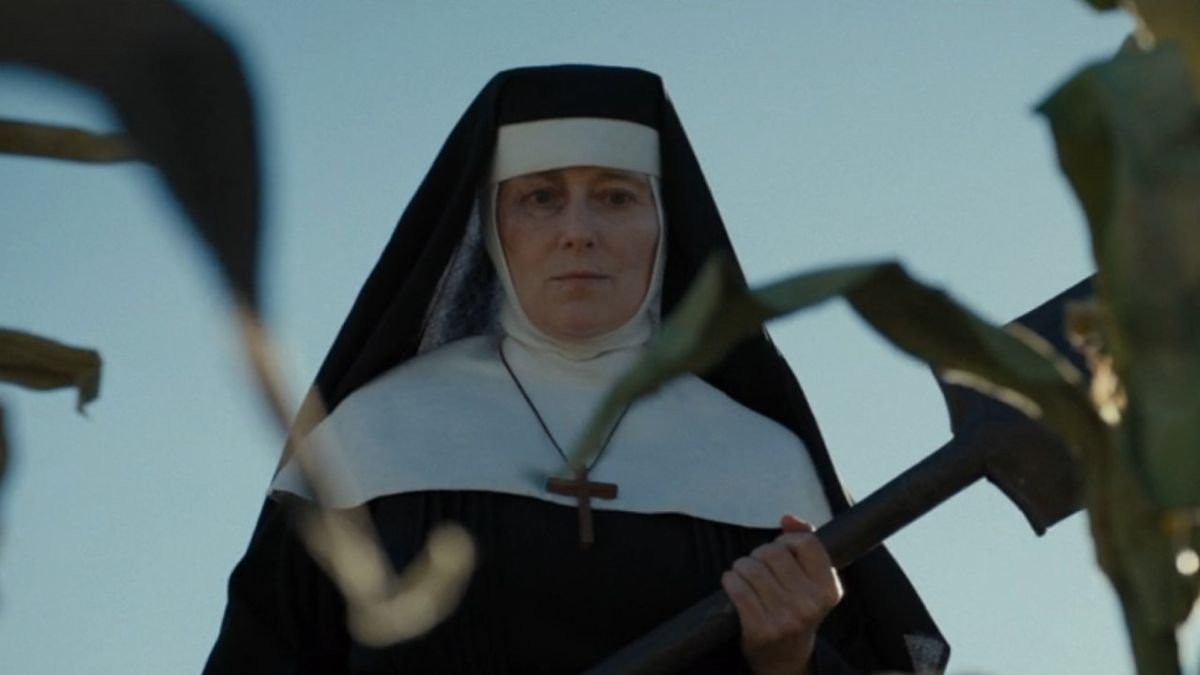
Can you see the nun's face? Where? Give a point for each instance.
(580, 246)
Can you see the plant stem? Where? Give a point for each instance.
(1155, 652)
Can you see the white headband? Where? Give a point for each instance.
(543, 145)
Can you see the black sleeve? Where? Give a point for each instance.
(880, 625)
(826, 661)
(844, 646)
(284, 615)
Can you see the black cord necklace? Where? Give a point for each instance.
(580, 487)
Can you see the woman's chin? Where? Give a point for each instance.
(576, 332)
(578, 328)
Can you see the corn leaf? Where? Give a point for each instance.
(43, 140)
(1170, 22)
(1128, 142)
(719, 311)
(384, 607)
(38, 363)
(178, 89)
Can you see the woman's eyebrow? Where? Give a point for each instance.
(623, 176)
(539, 177)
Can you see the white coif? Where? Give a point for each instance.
(542, 145)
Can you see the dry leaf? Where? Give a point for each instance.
(39, 363)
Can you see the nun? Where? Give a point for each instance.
(565, 215)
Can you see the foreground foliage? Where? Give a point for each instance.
(178, 89)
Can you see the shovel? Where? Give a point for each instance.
(991, 440)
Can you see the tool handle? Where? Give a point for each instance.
(712, 621)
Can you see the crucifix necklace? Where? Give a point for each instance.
(579, 487)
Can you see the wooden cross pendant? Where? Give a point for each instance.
(582, 490)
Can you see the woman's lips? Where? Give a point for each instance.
(579, 276)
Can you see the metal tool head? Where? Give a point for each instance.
(1030, 464)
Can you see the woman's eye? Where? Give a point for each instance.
(619, 198)
(541, 197)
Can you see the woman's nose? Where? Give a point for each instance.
(579, 224)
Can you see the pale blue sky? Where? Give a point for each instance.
(828, 131)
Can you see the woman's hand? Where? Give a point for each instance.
(782, 591)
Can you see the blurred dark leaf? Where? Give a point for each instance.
(718, 311)
(178, 89)
(3, 448)
(38, 363)
(1104, 4)
(1128, 140)
(1016, 446)
(43, 140)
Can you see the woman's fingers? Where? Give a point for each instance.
(790, 523)
(751, 613)
(783, 581)
(786, 571)
(783, 590)
(810, 555)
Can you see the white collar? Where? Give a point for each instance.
(452, 419)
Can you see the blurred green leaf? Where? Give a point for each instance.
(1137, 550)
(1128, 141)
(383, 607)
(1104, 5)
(43, 140)
(1170, 23)
(719, 311)
(38, 363)
(178, 89)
